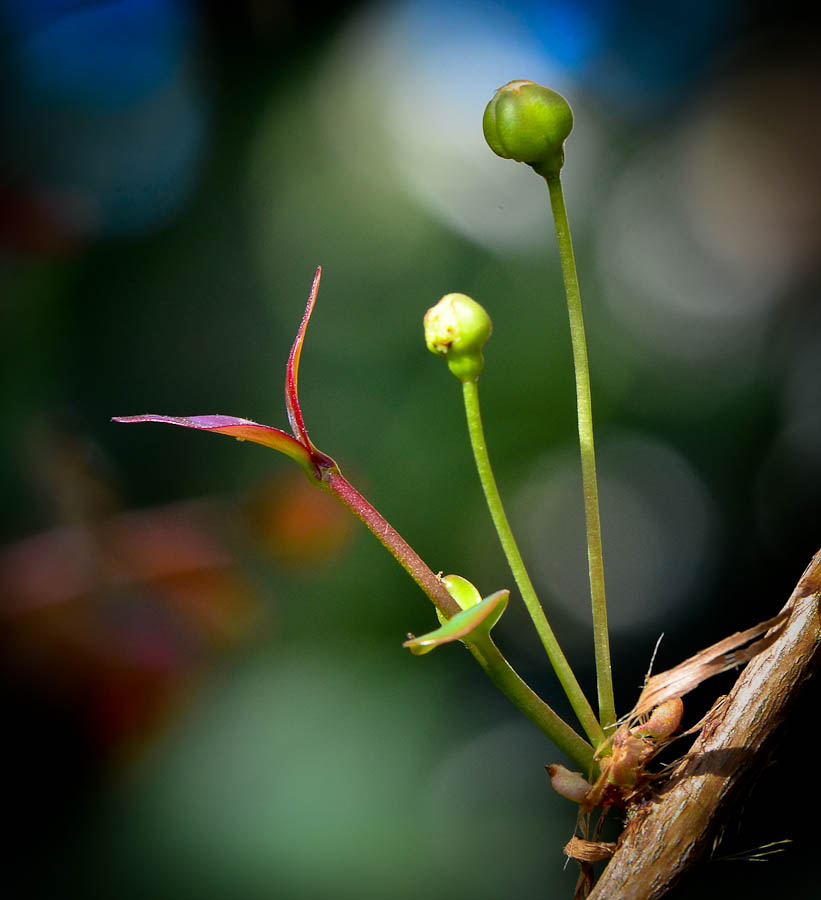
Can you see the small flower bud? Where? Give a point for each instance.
(462, 591)
(457, 328)
(664, 720)
(630, 753)
(529, 123)
(572, 785)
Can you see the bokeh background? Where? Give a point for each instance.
(204, 693)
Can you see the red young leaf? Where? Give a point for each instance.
(242, 429)
(292, 371)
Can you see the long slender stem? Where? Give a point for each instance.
(501, 673)
(575, 695)
(486, 653)
(604, 677)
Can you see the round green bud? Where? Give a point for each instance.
(462, 591)
(529, 123)
(457, 328)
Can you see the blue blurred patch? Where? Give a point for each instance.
(106, 110)
(95, 54)
(636, 54)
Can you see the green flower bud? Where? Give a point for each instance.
(457, 328)
(529, 123)
(462, 591)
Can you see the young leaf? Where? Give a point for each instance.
(292, 370)
(467, 625)
(242, 429)
(462, 591)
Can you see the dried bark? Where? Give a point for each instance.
(669, 835)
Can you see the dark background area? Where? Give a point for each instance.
(203, 687)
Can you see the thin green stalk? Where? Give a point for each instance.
(501, 673)
(604, 677)
(575, 695)
(485, 652)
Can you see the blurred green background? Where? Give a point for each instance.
(203, 687)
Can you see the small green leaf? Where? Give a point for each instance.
(462, 591)
(467, 625)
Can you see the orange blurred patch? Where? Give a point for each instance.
(117, 620)
(296, 523)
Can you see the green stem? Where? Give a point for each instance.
(486, 653)
(575, 695)
(604, 677)
(501, 673)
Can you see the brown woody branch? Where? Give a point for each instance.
(668, 837)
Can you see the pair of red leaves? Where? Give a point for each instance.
(296, 445)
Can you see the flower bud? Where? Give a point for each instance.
(664, 720)
(457, 328)
(462, 591)
(529, 123)
(630, 753)
(572, 785)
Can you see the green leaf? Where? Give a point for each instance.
(467, 625)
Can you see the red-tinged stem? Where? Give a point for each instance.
(389, 537)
